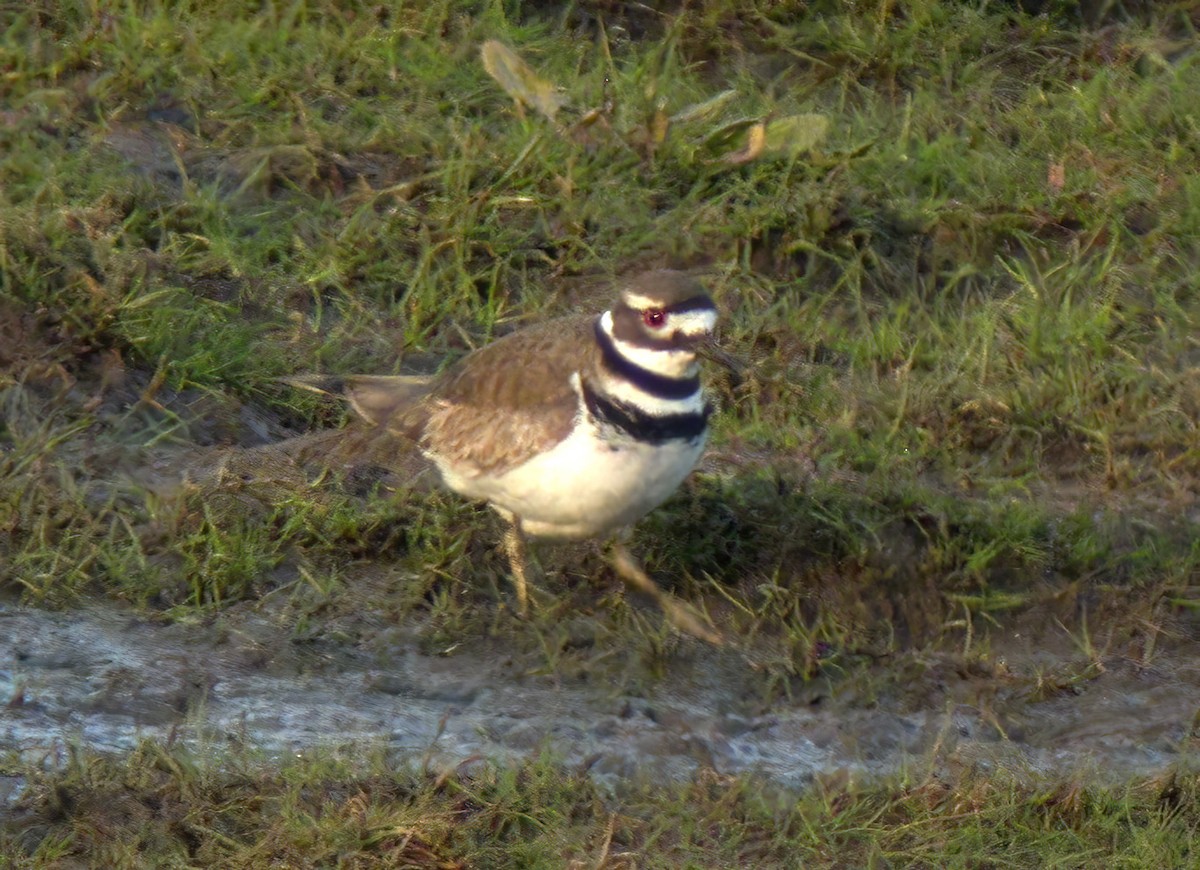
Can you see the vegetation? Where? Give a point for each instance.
(158, 807)
(955, 244)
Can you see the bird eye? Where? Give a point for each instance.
(654, 318)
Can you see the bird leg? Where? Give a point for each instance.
(518, 563)
(677, 612)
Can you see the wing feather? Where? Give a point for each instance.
(495, 408)
(508, 401)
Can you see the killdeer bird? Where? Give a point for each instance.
(571, 429)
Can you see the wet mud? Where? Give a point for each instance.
(105, 678)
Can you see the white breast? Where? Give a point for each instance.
(586, 486)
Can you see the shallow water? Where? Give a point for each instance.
(104, 678)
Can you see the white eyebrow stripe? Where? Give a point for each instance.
(641, 303)
(644, 303)
(698, 322)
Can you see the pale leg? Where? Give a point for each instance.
(514, 548)
(679, 614)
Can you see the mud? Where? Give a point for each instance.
(105, 678)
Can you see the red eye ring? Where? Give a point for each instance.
(654, 318)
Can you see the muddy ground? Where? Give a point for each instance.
(105, 678)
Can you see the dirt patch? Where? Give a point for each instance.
(105, 678)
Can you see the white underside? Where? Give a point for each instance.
(585, 487)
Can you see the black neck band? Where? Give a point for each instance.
(648, 428)
(659, 386)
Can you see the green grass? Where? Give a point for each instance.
(168, 808)
(964, 320)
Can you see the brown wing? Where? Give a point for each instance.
(505, 402)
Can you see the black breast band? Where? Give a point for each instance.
(649, 428)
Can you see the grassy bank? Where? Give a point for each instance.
(158, 808)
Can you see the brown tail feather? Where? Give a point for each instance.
(378, 399)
